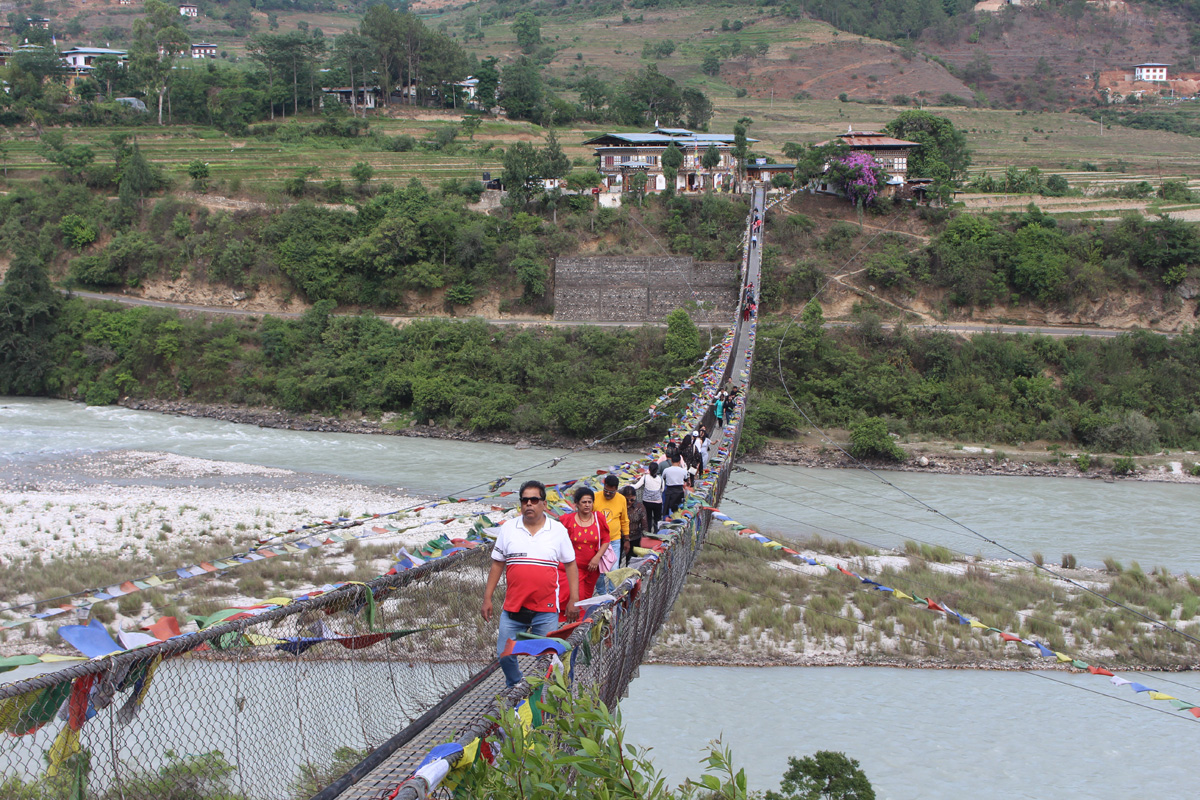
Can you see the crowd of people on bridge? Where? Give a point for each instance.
(551, 564)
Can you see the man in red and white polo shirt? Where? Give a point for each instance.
(528, 551)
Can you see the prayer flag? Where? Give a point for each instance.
(1099, 671)
(534, 647)
(92, 639)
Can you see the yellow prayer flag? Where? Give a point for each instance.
(1161, 696)
(902, 595)
(977, 624)
(53, 658)
(469, 754)
(12, 709)
(66, 744)
(525, 714)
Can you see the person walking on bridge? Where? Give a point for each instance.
(615, 511)
(527, 552)
(674, 477)
(589, 537)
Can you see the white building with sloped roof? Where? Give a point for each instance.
(621, 154)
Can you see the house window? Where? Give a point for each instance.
(901, 165)
(608, 161)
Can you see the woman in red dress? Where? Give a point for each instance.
(589, 535)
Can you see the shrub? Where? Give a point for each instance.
(1068, 561)
(1123, 466)
(1083, 462)
(1038, 558)
(870, 439)
(78, 231)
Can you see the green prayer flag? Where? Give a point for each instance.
(41, 709)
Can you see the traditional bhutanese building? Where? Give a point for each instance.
(622, 154)
(889, 152)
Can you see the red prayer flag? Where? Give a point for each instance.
(78, 704)
(359, 642)
(1099, 671)
(164, 629)
(565, 631)
(845, 571)
(1195, 712)
(933, 606)
(129, 587)
(1008, 637)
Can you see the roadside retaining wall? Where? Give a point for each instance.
(642, 289)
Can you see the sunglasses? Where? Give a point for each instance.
(525, 500)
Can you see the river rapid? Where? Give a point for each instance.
(917, 733)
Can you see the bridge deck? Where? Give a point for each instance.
(481, 700)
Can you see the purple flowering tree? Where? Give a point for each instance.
(858, 176)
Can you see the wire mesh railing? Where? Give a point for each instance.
(262, 706)
(277, 702)
(607, 649)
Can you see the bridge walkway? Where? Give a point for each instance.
(480, 698)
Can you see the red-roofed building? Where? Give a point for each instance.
(889, 152)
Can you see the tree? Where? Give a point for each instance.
(858, 176)
(825, 775)
(554, 162)
(941, 144)
(108, 69)
(73, 158)
(158, 38)
(138, 178)
(198, 172)
(522, 163)
(699, 109)
(682, 344)
(672, 160)
(649, 96)
(635, 184)
(362, 172)
(489, 81)
(741, 148)
(522, 90)
(593, 93)
(29, 310)
(711, 161)
(711, 65)
(382, 26)
(870, 439)
(528, 31)
(470, 124)
(355, 53)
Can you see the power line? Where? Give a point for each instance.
(926, 643)
(858, 463)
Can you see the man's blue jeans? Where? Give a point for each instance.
(543, 623)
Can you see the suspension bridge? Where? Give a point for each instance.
(370, 690)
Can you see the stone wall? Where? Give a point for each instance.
(641, 289)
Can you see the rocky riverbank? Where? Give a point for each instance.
(950, 459)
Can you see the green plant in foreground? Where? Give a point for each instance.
(825, 775)
(580, 751)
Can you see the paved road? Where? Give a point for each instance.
(394, 319)
(960, 328)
